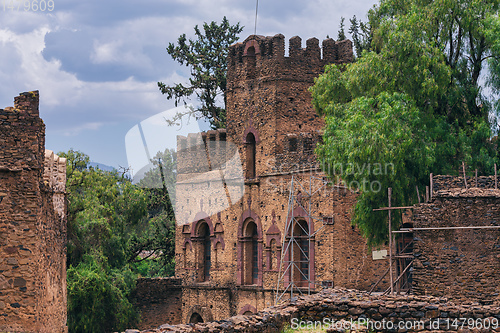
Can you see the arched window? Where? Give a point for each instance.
(250, 147)
(251, 62)
(250, 254)
(301, 256)
(205, 252)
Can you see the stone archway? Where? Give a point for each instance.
(195, 318)
(199, 314)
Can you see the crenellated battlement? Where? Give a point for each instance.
(201, 152)
(28, 102)
(263, 57)
(54, 174)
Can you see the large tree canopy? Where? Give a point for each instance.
(206, 56)
(415, 99)
(116, 231)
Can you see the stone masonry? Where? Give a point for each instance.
(461, 264)
(32, 223)
(343, 310)
(229, 259)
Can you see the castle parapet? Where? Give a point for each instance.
(28, 102)
(201, 152)
(22, 134)
(262, 57)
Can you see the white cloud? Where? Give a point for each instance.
(105, 52)
(122, 54)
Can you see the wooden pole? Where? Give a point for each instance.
(495, 176)
(427, 194)
(431, 188)
(476, 178)
(389, 192)
(465, 177)
(418, 194)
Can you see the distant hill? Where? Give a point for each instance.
(102, 166)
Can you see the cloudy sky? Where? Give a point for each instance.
(96, 63)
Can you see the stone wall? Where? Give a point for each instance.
(158, 301)
(336, 309)
(32, 223)
(462, 264)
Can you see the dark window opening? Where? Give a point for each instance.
(251, 62)
(308, 144)
(251, 254)
(301, 254)
(328, 220)
(292, 144)
(250, 147)
(205, 252)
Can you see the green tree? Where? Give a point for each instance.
(206, 56)
(361, 34)
(158, 242)
(413, 99)
(110, 224)
(341, 33)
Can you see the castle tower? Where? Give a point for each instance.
(268, 98)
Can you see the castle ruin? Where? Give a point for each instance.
(32, 223)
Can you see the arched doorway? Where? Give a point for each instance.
(195, 318)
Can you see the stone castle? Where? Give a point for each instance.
(234, 261)
(32, 223)
(229, 262)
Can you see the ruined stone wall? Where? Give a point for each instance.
(158, 301)
(338, 309)
(32, 223)
(267, 101)
(461, 264)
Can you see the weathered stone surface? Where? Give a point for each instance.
(273, 319)
(460, 264)
(269, 113)
(32, 223)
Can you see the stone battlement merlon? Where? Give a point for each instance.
(54, 174)
(28, 102)
(22, 134)
(196, 149)
(263, 59)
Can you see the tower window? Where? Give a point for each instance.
(292, 144)
(250, 147)
(308, 144)
(205, 252)
(301, 253)
(251, 254)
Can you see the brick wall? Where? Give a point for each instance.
(32, 223)
(460, 264)
(158, 301)
(337, 309)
